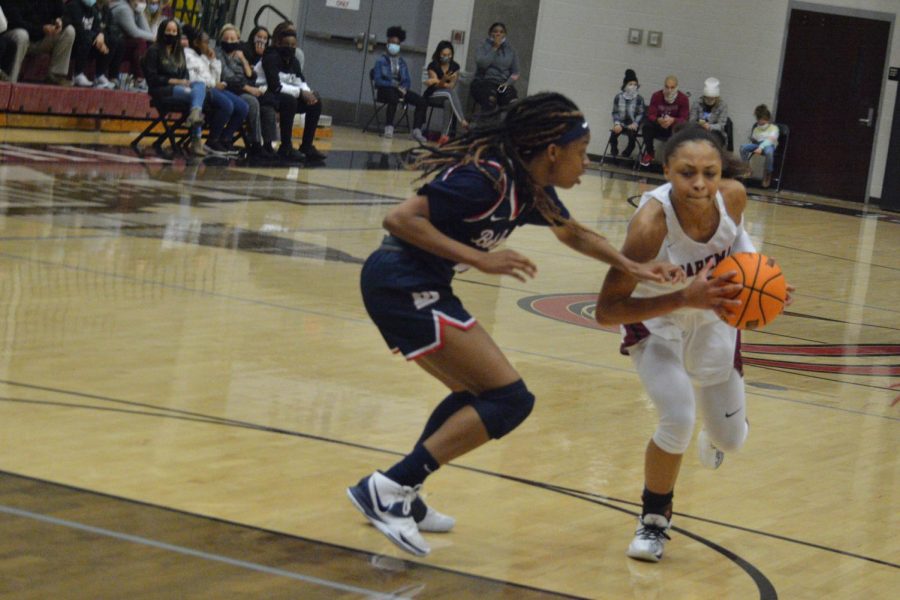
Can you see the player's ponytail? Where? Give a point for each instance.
(530, 125)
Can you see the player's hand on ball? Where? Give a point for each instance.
(715, 293)
(507, 262)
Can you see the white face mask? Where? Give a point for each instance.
(393, 49)
(140, 6)
(631, 88)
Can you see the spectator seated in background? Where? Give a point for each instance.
(167, 78)
(37, 27)
(497, 71)
(91, 44)
(443, 75)
(130, 25)
(5, 44)
(158, 11)
(668, 107)
(763, 140)
(288, 92)
(256, 45)
(228, 110)
(627, 114)
(239, 79)
(710, 110)
(392, 84)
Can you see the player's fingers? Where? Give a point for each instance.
(704, 272)
(725, 277)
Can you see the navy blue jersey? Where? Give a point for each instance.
(464, 205)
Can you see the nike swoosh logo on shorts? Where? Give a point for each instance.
(496, 218)
(728, 415)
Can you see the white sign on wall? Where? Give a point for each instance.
(345, 4)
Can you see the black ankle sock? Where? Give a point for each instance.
(414, 468)
(657, 504)
(443, 411)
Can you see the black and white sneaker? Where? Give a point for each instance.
(650, 538)
(388, 505)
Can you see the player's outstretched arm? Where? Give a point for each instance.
(590, 243)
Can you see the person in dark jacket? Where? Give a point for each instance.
(91, 44)
(37, 27)
(167, 77)
(288, 92)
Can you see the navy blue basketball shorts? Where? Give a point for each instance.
(409, 306)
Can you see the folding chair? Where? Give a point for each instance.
(439, 103)
(165, 109)
(380, 106)
(636, 154)
(784, 133)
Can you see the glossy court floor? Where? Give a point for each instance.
(189, 381)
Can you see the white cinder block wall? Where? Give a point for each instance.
(447, 15)
(581, 50)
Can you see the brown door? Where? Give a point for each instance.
(830, 87)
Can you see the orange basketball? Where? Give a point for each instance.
(764, 293)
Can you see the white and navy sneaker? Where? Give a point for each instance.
(649, 538)
(388, 505)
(710, 456)
(429, 519)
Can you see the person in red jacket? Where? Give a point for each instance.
(667, 108)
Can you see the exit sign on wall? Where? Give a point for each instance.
(345, 4)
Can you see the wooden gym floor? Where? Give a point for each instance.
(189, 381)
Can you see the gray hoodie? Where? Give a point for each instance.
(496, 65)
(129, 22)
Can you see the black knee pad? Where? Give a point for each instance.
(503, 409)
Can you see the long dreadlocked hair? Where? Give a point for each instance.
(531, 124)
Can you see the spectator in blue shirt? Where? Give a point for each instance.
(392, 83)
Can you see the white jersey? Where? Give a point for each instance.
(691, 255)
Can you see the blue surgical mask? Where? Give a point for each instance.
(89, 3)
(445, 59)
(393, 49)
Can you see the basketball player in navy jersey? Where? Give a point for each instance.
(675, 336)
(489, 182)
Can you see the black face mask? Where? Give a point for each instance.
(171, 39)
(230, 47)
(285, 52)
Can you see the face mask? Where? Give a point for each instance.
(631, 88)
(445, 59)
(171, 39)
(153, 8)
(393, 49)
(286, 52)
(670, 96)
(140, 6)
(89, 3)
(229, 47)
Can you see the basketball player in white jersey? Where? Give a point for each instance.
(675, 338)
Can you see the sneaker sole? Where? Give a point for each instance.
(400, 541)
(643, 556)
